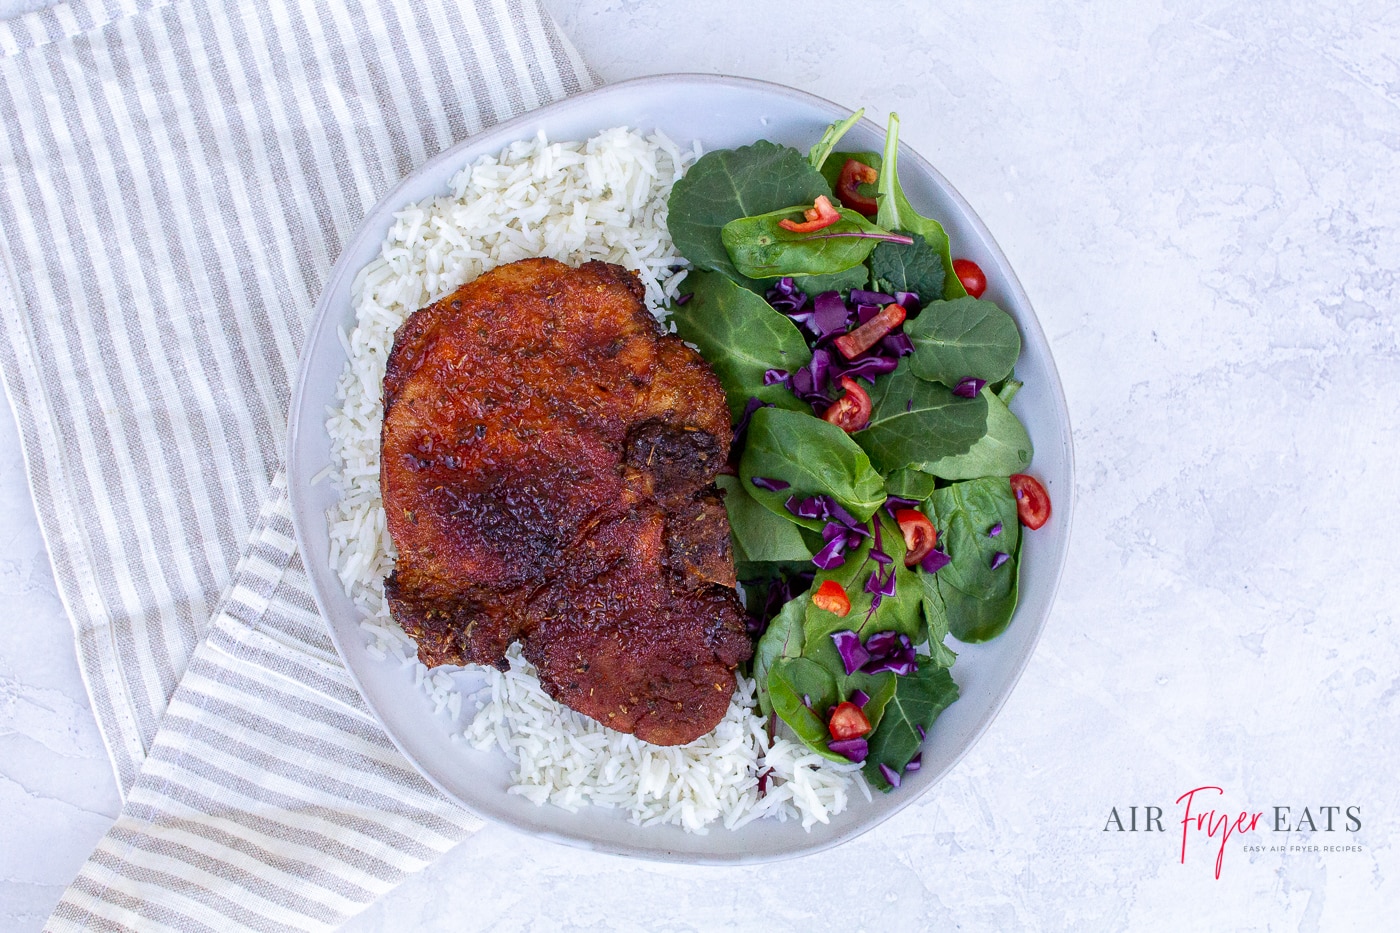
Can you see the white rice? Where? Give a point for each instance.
(602, 199)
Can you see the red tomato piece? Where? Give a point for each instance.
(919, 534)
(971, 276)
(1032, 501)
(820, 216)
(848, 722)
(850, 412)
(868, 334)
(853, 175)
(832, 597)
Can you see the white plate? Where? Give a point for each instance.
(721, 113)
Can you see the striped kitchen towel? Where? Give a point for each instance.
(176, 179)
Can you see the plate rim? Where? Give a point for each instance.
(508, 130)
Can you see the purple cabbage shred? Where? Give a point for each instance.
(915, 763)
(853, 749)
(995, 530)
(853, 653)
(999, 558)
(889, 774)
(860, 697)
(920, 729)
(890, 651)
(772, 485)
(772, 377)
(934, 561)
(969, 387)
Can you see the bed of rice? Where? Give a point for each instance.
(601, 199)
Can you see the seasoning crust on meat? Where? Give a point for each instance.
(547, 468)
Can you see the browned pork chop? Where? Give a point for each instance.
(548, 458)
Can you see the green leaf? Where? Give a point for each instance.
(895, 267)
(741, 337)
(919, 698)
(909, 483)
(900, 612)
(964, 513)
(855, 277)
(782, 639)
(760, 248)
(1003, 450)
(759, 535)
(896, 213)
(966, 337)
(935, 621)
(913, 422)
(819, 152)
(730, 183)
(973, 620)
(813, 458)
(788, 681)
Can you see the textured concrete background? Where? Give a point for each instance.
(1202, 201)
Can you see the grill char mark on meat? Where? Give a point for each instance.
(548, 458)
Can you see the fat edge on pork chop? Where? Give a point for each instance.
(547, 468)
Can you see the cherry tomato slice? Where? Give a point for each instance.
(919, 535)
(971, 276)
(868, 334)
(1032, 501)
(820, 216)
(853, 175)
(832, 597)
(850, 412)
(848, 722)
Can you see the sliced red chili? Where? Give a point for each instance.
(919, 534)
(850, 412)
(832, 597)
(853, 175)
(868, 334)
(820, 216)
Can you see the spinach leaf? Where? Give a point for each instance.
(831, 171)
(896, 213)
(741, 337)
(913, 422)
(974, 620)
(758, 534)
(918, 699)
(909, 483)
(855, 277)
(731, 183)
(900, 612)
(935, 620)
(789, 680)
(966, 337)
(896, 267)
(760, 248)
(1003, 450)
(819, 152)
(964, 513)
(782, 639)
(814, 458)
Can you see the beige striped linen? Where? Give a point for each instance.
(176, 179)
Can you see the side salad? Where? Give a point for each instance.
(877, 487)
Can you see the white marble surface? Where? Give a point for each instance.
(1202, 201)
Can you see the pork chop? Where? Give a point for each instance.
(548, 458)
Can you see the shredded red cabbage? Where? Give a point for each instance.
(853, 653)
(969, 387)
(934, 561)
(995, 530)
(786, 296)
(909, 301)
(833, 555)
(890, 651)
(772, 485)
(889, 774)
(999, 558)
(915, 763)
(860, 697)
(682, 299)
(860, 296)
(853, 749)
(777, 377)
